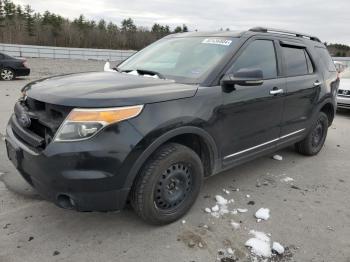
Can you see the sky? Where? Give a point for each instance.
(329, 20)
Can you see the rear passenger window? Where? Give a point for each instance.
(310, 67)
(296, 61)
(258, 55)
(326, 58)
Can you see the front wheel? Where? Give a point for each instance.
(7, 74)
(168, 184)
(314, 141)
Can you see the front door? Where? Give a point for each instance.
(251, 115)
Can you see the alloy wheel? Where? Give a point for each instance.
(7, 74)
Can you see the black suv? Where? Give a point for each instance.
(185, 108)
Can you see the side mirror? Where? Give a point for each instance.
(243, 77)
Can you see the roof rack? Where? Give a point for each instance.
(284, 32)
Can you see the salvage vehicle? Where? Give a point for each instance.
(184, 108)
(11, 67)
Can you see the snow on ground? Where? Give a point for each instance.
(220, 208)
(263, 213)
(287, 179)
(227, 192)
(278, 248)
(277, 157)
(260, 244)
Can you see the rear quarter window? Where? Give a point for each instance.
(325, 58)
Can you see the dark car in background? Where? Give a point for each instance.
(187, 107)
(11, 67)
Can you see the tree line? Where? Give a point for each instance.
(22, 25)
(339, 50)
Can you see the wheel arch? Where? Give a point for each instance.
(329, 109)
(189, 136)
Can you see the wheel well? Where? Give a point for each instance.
(198, 145)
(328, 109)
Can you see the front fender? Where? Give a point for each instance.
(150, 148)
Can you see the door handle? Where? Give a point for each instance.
(317, 83)
(276, 91)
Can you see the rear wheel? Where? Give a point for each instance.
(7, 74)
(314, 141)
(168, 184)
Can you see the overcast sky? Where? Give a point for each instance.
(329, 20)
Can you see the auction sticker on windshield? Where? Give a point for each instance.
(215, 41)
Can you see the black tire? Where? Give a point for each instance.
(167, 185)
(7, 74)
(314, 141)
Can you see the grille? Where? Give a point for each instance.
(343, 92)
(36, 122)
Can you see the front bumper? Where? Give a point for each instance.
(343, 102)
(87, 176)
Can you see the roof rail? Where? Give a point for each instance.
(284, 32)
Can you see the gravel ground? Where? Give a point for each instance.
(309, 216)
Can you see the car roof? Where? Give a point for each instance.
(250, 32)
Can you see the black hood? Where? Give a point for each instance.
(106, 89)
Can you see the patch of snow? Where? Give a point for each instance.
(277, 247)
(235, 225)
(242, 210)
(248, 196)
(221, 207)
(263, 213)
(258, 220)
(277, 157)
(231, 201)
(183, 221)
(226, 191)
(220, 200)
(260, 244)
(207, 209)
(287, 179)
(230, 251)
(237, 189)
(215, 208)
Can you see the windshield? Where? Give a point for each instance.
(185, 60)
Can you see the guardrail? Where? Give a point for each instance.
(64, 52)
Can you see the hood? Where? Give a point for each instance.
(344, 84)
(106, 89)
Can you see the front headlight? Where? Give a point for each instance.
(84, 123)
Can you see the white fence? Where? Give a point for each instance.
(64, 52)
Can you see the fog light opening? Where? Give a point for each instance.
(65, 201)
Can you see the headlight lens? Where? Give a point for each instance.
(85, 123)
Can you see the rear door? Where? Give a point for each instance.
(303, 85)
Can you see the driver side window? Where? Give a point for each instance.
(258, 55)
